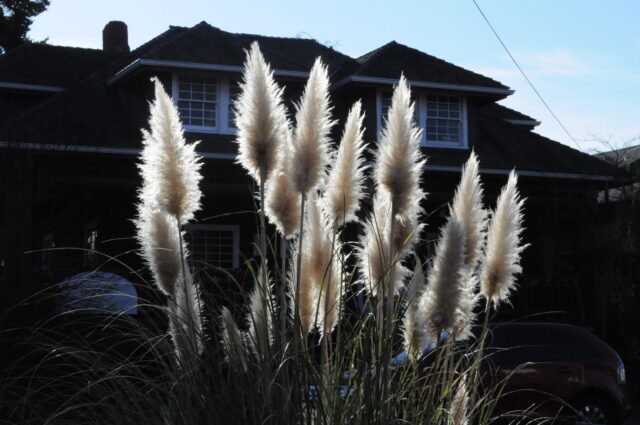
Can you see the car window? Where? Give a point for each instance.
(519, 344)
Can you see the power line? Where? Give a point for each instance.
(526, 78)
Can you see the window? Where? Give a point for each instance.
(213, 246)
(442, 118)
(205, 103)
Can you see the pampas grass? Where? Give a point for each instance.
(414, 334)
(259, 318)
(282, 202)
(186, 319)
(233, 340)
(260, 117)
(160, 241)
(169, 197)
(467, 209)
(332, 364)
(502, 254)
(399, 160)
(345, 185)
(445, 279)
(311, 138)
(170, 168)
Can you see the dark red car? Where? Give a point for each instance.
(544, 366)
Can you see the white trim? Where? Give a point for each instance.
(421, 104)
(464, 133)
(424, 84)
(208, 155)
(526, 173)
(234, 228)
(196, 66)
(533, 123)
(30, 87)
(98, 149)
(222, 107)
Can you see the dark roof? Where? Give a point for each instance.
(499, 111)
(621, 157)
(95, 114)
(504, 146)
(89, 113)
(204, 43)
(47, 65)
(392, 59)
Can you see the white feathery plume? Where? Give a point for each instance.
(503, 248)
(345, 184)
(469, 298)
(232, 340)
(441, 301)
(260, 117)
(311, 139)
(170, 167)
(186, 315)
(460, 404)
(467, 209)
(158, 235)
(322, 268)
(260, 312)
(399, 161)
(413, 323)
(373, 254)
(307, 305)
(282, 202)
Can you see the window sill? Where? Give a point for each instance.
(209, 130)
(443, 145)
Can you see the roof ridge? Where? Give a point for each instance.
(365, 58)
(395, 43)
(170, 35)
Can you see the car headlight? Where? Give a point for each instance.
(622, 374)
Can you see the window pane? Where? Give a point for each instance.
(197, 99)
(444, 119)
(211, 248)
(234, 91)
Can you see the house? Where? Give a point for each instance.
(70, 123)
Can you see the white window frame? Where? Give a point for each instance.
(222, 104)
(421, 105)
(234, 228)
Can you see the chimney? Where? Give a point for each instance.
(115, 37)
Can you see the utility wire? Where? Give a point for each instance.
(525, 77)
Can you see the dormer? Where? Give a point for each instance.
(443, 93)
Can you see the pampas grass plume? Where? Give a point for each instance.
(259, 316)
(282, 202)
(308, 302)
(374, 252)
(441, 300)
(322, 268)
(185, 310)
(170, 167)
(467, 209)
(260, 117)
(160, 241)
(399, 161)
(503, 249)
(413, 323)
(313, 123)
(345, 185)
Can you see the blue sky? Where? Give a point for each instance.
(582, 55)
